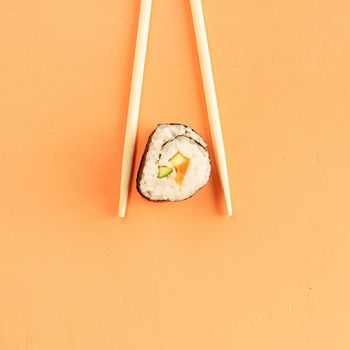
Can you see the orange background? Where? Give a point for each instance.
(183, 275)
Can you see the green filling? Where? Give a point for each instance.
(178, 159)
(164, 171)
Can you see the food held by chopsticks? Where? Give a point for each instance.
(175, 164)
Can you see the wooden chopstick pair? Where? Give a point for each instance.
(135, 97)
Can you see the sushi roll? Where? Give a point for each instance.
(175, 164)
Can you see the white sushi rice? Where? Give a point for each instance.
(166, 141)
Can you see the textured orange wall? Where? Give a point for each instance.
(175, 276)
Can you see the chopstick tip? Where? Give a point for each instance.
(121, 213)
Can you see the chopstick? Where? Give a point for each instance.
(134, 103)
(211, 101)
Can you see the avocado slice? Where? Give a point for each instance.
(177, 159)
(181, 164)
(164, 171)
